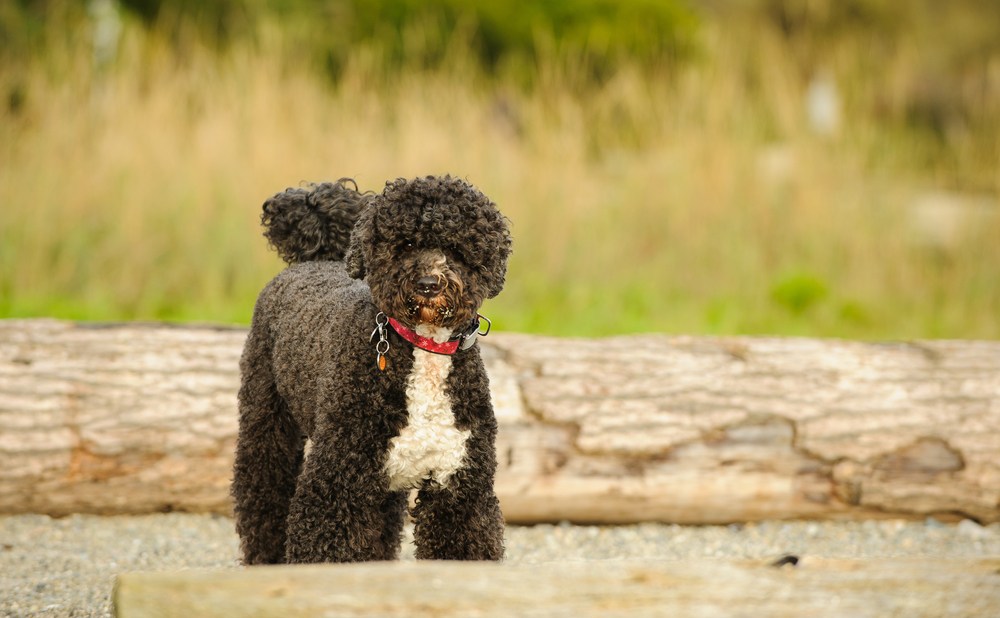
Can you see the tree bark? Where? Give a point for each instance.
(912, 588)
(133, 418)
(118, 418)
(712, 430)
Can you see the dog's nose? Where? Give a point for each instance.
(429, 285)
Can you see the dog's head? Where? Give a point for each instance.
(432, 250)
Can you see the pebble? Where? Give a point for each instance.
(973, 530)
(67, 567)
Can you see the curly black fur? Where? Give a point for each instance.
(314, 222)
(309, 371)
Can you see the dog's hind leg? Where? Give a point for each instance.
(269, 451)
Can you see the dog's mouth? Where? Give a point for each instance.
(432, 294)
(436, 300)
(429, 310)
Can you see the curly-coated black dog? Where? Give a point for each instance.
(365, 347)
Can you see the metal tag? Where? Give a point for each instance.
(382, 347)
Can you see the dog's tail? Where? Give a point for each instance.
(313, 222)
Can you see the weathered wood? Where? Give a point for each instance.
(696, 429)
(911, 588)
(133, 418)
(116, 418)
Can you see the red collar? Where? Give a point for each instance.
(425, 343)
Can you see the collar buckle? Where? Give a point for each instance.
(467, 338)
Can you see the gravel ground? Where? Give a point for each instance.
(66, 567)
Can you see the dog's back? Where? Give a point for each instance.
(310, 228)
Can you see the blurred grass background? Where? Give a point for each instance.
(821, 167)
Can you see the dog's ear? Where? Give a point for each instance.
(358, 250)
(495, 285)
(501, 240)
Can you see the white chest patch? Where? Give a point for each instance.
(430, 447)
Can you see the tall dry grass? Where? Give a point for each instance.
(693, 200)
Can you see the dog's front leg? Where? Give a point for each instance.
(452, 526)
(462, 521)
(339, 512)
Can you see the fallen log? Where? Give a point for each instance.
(134, 418)
(712, 430)
(118, 418)
(912, 588)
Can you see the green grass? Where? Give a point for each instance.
(694, 201)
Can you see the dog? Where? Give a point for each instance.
(365, 347)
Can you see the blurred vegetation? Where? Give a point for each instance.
(661, 161)
(412, 33)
